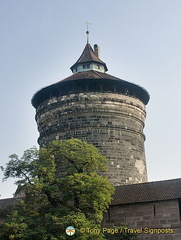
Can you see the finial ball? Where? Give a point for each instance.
(87, 32)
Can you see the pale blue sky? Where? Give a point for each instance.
(140, 42)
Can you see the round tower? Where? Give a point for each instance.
(101, 109)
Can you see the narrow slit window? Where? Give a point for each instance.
(109, 214)
(154, 210)
(179, 205)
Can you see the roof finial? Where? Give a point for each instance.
(87, 32)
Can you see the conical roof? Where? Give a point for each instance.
(72, 84)
(88, 56)
(81, 79)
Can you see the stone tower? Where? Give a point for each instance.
(104, 110)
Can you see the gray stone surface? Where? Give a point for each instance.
(112, 122)
(159, 220)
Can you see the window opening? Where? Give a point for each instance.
(86, 66)
(109, 214)
(154, 210)
(179, 205)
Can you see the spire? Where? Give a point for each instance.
(89, 59)
(87, 32)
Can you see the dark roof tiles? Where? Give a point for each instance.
(79, 78)
(148, 192)
(89, 75)
(88, 56)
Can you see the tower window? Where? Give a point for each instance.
(98, 66)
(179, 205)
(109, 214)
(86, 66)
(154, 210)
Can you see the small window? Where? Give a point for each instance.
(109, 214)
(154, 210)
(179, 205)
(98, 66)
(76, 69)
(86, 66)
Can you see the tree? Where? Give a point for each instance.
(62, 187)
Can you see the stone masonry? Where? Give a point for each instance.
(101, 109)
(109, 113)
(112, 122)
(152, 210)
(159, 220)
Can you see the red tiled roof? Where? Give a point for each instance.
(147, 192)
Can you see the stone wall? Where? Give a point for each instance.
(112, 122)
(161, 216)
(145, 218)
(6, 203)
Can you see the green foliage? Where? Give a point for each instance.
(24, 168)
(62, 187)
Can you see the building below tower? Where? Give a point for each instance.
(152, 210)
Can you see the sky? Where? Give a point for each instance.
(140, 42)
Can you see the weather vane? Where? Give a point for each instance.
(87, 32)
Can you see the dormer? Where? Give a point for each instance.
(89, 60)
